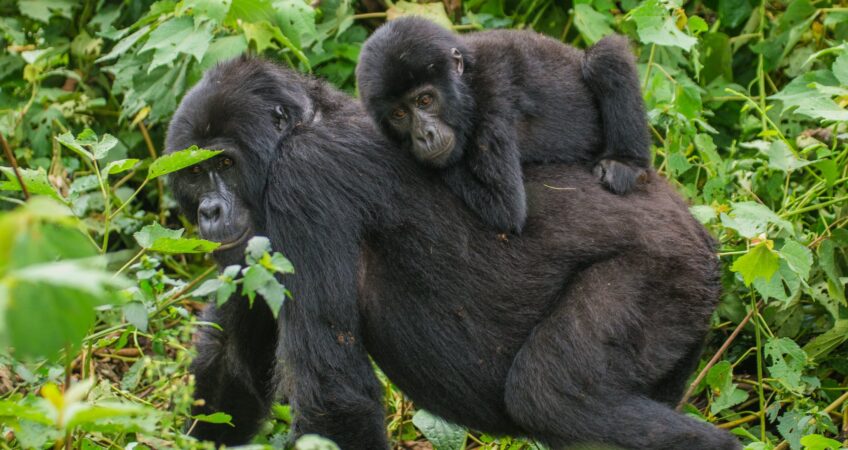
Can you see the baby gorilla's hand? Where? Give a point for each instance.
(619, 177)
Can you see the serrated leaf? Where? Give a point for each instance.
(751, 219)
(68, 140)
(441, 433)
(101, 148)
(175, 161)
(124, 44)
(760, 261)
(655, 25)
(704, 213)
(214, 9)
(42, 10)
(591, 24)
(799, 258)
(725, 393)
(781, 157)
(819, 347)
(183, 245)
(787, 362)
(35, 180)
(802, 97)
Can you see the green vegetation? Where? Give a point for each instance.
(747, 103)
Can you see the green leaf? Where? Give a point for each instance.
(218, 418)
(760, 261)
(725, 393)
(35, 180)
(136, 314)
(787, 362)
(799, 257)
(177, 36)
(258, 280)
(733, 12)
(434, 12)
(840, 68)
(121, 165)
(782, 158)
(591, 24)
(124, 44)
(68, 140)
(819, 347)
(297, 21)
(751, 219)
(441, 433)
(214, 9)
(704, 213)
(819, 442)
(156, 238)
(42, 10)
(802, 97)
(655, 25)
(175, 161)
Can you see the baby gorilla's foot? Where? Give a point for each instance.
(619, 177)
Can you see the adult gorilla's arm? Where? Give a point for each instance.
(317, 217)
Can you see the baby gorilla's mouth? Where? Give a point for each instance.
(235, 242)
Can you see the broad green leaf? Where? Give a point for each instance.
(761, 261)
(751, 219)
(802, 97)
(258, 280)
(218, 417)
(781, 157)
(88, 414)
(776, 287)
(183, 245)
(156, 238)
(704, 213)
(431, 11)
(734, 12)
(175, 161)
(68, 140)
(136, 314)
(121, 165)
(840, 68)
(9, 409)
(821, 345)
(214, 9)
(799, 257)
(177, 36)
(223, 49)
(35, 180)
(819, 442)
(725, 393)
(42, 10)
(441, 433)
(260, 33)
(124, 44)
(787, 362)
(297, 21)
(150, 233)
(655, 25)
(592, 24)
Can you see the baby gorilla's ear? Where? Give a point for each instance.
(457, 60)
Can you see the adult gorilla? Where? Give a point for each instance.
(583, 329)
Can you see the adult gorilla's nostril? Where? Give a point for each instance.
(210, 210)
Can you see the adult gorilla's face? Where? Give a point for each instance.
(225, 195)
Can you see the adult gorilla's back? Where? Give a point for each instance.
(583, 329)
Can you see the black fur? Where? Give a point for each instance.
(522, 97)
(583, 329)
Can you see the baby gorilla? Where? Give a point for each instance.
(476, 106)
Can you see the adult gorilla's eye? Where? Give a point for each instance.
(226, 162)
(424, 100)
(195, 169)
(398, 114)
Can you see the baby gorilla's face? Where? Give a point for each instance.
(416, 118)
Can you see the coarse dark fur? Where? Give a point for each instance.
(516, 97)
(583, 329)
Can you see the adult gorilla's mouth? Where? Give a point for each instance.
(235, 242)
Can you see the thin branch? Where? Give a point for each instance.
(11, 157)
(717, 356)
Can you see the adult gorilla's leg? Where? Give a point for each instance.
(329, 378)
(586, 371)
(234, 368)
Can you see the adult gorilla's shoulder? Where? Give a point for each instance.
(584, 329)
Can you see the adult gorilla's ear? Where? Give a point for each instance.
(281, 118)
(456, 55)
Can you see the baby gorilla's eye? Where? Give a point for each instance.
(424, 100)
(195, 169)
(398, 114)
(226, 162)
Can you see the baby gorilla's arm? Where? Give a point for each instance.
(489, 178)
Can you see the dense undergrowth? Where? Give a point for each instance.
(98, 292)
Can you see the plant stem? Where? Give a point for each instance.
(760, 392)
(123, 205)
(815, 207)
(11, 157)
(160, 185)
(650, 65)
(130, 262)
